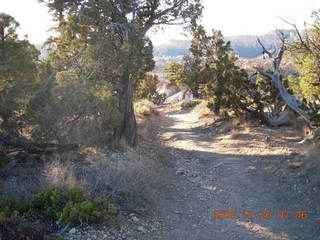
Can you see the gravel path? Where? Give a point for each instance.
(229, 175)
(228, 179)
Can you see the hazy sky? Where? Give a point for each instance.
(232, 17)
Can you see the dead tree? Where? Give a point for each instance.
(293, 104)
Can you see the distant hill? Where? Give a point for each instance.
(245, 46)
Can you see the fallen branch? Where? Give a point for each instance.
(33, 147)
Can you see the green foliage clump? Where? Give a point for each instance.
(18, 74)
(87, 211)
(143, 107)
(51, 205)
(186, 75)
(211, 72)
(146, 88)
(74, 109)
(70, 206)
(190, 104)
(306, 84)
(308, 79)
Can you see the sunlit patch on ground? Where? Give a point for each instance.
(261, 231)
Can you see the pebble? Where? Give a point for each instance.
(141, 229)
(180, 171)
(135, 219)
(72, 231)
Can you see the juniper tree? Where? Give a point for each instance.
(18, 69)
(123, 25)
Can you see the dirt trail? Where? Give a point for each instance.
(246, 172)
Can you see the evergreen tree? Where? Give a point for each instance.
(18, 72)
(119, 29)
(307, 55)
(146, 88)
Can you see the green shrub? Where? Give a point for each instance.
(52, 205)
(87, 211)
(146, 88)
(74, 110)
(143, 107)
(9, 205)
(48, 203)
(159, 99)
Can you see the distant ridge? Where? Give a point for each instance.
(245, 46)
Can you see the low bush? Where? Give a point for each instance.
(146, 88)
(159, 99)
(144, 108)
(50, 206)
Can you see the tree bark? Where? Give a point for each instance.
(217, 106)
(218, 97)
(286, 116)
(128, 127)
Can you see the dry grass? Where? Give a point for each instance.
(144, 107)
(131, 178)
(144, 128)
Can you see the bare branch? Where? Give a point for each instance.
(263, 73)
(265, 51)
(298, 33)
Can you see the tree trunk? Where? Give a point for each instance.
(128, 127)
(217, 106)
(195, 92)
(284, 118)
(218, 97)
(292, 101)
(218, 92)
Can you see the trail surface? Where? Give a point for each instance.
(221, 180)
(245, 172)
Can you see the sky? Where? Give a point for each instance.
(232, 17)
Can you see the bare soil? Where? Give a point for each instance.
(220, 165)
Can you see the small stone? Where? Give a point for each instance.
(180, 171)
(135, 219)
(72, 231)
(141, 229)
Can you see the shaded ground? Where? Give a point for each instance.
(240, 170)
(219, 165)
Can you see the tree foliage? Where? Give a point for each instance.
(118, 31)
(211, 72)
(18, 73)
(146, 88)
(186, 76)
(306, 52)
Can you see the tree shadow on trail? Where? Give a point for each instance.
(245, 181)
